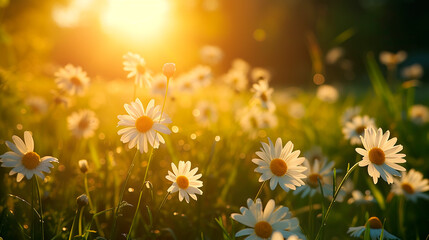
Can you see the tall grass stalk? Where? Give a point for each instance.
(91, 205)
(40, 207)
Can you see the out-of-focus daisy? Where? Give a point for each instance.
(202, 75)
(296, 110)
(375, 228)
(319, 170)
(262, 91)
(261, 223)
(355, 128)
(37, 104)
(280, 165)
(279, 236)
(349, 114)
(414, 71)
(83, 123)
(143, 126)
(186, 83)
(315, 153)
(392, 59)
(327, 93)
(60, 99)
(237, 80)
(136, 66)
(259, 73)
(185, 181)
(419, 114)
(211, 54)
(412, 185)
(72, 79)
(250, 120)
(159, 83)
(359, 198)
(240, 65)
(205, 113)
(333, 55)
(23, 160)
(381, 155)
(268, 120)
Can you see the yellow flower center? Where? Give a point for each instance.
(182, 182)
(360, 130)
(76, 81)
(376, 156)
(313, 180)
(263, 229)
(264, 97)
(278, 167)
(374, 223)
(31, 160)
(83, 124)
(144, 124)
(141, 69)
(407, 188)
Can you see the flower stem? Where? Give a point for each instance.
(121, 196)
(72, 227)
(80, 220)
(259, 191)
(32, 213)
(325, 217)
(97, 223)
(163, 201)
(140, 196)
(41, 208)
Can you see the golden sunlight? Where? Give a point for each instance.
(135, 19)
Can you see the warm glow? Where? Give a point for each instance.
(135, 19)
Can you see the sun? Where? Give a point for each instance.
(135, 19)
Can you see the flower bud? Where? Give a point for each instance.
(82, 200)
(83, 165)
(168, 69)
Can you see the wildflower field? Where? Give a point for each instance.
(162, 135)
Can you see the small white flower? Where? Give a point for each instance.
(237, 80)
(83, 123)
(37, 104)
(72, 79)
(327, 93)
(186, 83)
(143, 126)
(240, 65)
(259, 73)
(136, 66)
(380, 155)
(349, 114)
(205, 113)
(185, 181)
(262, 91)
(211, 54)
(419, 114)
(414, 71)
(321, 170)
(356, 127)
(412, 185)
(334, 55)
(202, 75)
(374, 231)
(391, 59)
(280, 165)
(359, 198)
(23, 160)
(262, 223)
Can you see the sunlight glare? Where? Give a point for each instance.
(135, 19)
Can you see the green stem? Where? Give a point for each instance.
(80, 220)
(140, 195)
(72, 227)
(121, 197)
(163, 201)
(325, 218)
(401, 215)
(310, 217)
(260, 190)
(32, 213)
(41, 208)
(97, 223)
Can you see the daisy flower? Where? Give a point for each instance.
(83, 124)
(202, 75)
(185, 181)
(412, 185)
(37, 105)
(280, 165)
(136, 66)
(211, 54)
(262, 91)
(72, 79)
(268, 120)
(250, 120)
(296, 110)
(259, 73)
(419, 114)
(414, 71)
(240, 65)
(143, 126)
(315, 153)
(380, 155)
(349, 114)
(262, 223)
(321, 170)
(355, 128)
(205, 113)
(237, 80)
(359, 198)
(375, 228)
(186, 83)
(327, 93)
(392, 59)
(23, 160)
